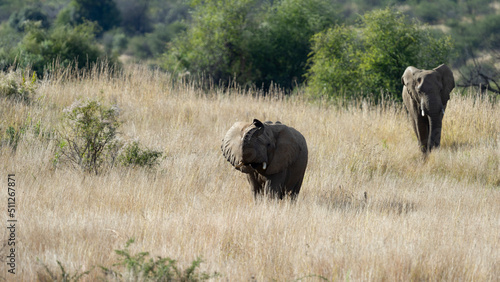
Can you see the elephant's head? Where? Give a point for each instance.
(260, 147)
(430, 92)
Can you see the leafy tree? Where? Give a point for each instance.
(9, 38)
(104, 12)
(371, 56)
(282, 42)
(216, 44)
(18, 19)
(480, 35)
(135, 16)
(154, 44)
(40, 48)
(253, 41)
(435, 12)
(167, 12)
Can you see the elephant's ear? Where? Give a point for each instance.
(407, 78)
(232, 143)
(286, 150)
(447, 80)
(258, 123)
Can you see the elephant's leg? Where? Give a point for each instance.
(423, 133)
(256, 183)
(275, 185)
(415, 118)
(294, 192)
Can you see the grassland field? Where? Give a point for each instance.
(370, 208)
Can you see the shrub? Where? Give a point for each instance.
(102, 12)
(69, 46)
(63, 276)
(135, 267)
(133, 155)
(134, 16)
(18, 19)
(255, 42)
(282, 44)
(12, 134)
(88, 139)
(16, 86)
(115, 41)
(369, 58)
(152, 45)
(140, 268)
(434, 12)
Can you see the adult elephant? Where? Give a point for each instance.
(273, 155)
(425, 95)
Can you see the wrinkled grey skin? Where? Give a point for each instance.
(273, 155)
(425, 95)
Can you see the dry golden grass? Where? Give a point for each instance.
(437, 219)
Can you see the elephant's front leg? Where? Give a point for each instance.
(275, 185)
(257, 182)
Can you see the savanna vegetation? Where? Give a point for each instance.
(262, 44)
(370, 208)
(112, 114)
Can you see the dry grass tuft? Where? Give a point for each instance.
(370, 207)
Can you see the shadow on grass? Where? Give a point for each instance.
(456, 146)
(343, 200)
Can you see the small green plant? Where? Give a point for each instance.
(88, 139)
(139, 268)
(14, 135)
(133, 155)
(134, 267)
(16, 86)
(62, 276)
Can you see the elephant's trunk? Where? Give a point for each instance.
(435, 125)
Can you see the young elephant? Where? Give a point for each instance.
(273, 155)
(425, 95)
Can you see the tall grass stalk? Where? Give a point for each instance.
(370, 207)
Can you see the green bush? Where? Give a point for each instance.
(18, 19)
(62, 276)
(140, 268)
(134, 16)
(483, 34)
(89, 140)
(281, 44)
(17, 85)
(435, 12)
(135, 267)
(369, 58)
(254, 42)
(154, 44)
(115, 41)
(102, 12)
(133, 155)
(88, 136)
(40, 49)
(12, 134)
